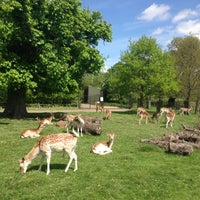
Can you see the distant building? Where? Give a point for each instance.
(92, 94)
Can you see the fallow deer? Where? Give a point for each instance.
(140, 109)
(185, 111)
(165, 110)
(99, 108)
(143, 115)
(33, 132)
(170, 118)
(78, 123)
(46, 145)
(47, 120)
(108, 114)
(103, 148)
(69, 119)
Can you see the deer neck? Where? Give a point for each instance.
(110, 143)
(33, 153)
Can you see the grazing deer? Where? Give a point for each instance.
(144, 115)
(46, 145)
(108, 114)
(47, 120)
(185, 111)
(165, 110)
(103, 148)
(140, 109)
(78, 123)
(99, 108)
(170, 118)
(33, 132)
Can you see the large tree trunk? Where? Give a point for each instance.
(15, 105)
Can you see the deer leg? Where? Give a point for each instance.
(41, 162)
(167, 124)
(72, 156)
(81, 131)
(48, 163)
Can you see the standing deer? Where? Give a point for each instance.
(78, 123)
(33, 132)
(46, 145)
(108, 114)
(140, 109)
(103, 148)
(99, 108)
(165, 110)
(170, 118)
(69, 118)
(47, 120)
(143, 115)
(185, 111)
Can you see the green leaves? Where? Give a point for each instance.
(49, 44)
(144, 71)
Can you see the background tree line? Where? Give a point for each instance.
(48, 53)
(146, 72)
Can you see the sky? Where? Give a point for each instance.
(132, 19)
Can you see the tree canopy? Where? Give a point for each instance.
(186, 53)
(143, 71)
(47, 46)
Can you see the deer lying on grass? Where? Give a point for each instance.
(108, 114)
(77, 123)
(165, 110)
(47, 120)
(46, 145)
(103, 148)
(33, 132)
(185, 111)
(99, 108)
(143, 115)
(170, 118)
(140, 109)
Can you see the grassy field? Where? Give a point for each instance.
(133, 170)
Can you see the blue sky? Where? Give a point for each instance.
(131, 19)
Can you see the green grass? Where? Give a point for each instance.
(133, 170)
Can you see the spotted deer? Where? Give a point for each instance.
(103, 148)
(170, 118)
(48, 144)
(33, 132)
(144, 115)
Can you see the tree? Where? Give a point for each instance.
(186, 53)
(145, 71)
(47, 46)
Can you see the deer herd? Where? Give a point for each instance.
(66, 142)
(169, 114)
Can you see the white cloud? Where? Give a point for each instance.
(158, 31)
(159, 12)
(184, 14)
(187, 27)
